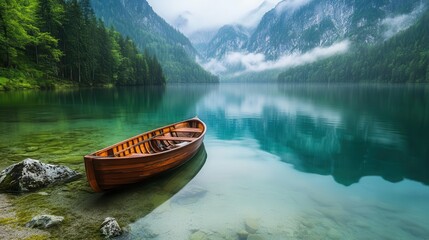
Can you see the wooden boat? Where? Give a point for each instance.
(145, 155)
(141, 199)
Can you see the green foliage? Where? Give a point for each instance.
(58, 39)
(11, 79)
(401, 59)
(16, 30)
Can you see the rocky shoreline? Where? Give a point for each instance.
(82, 210)
(24, 179)
(27, 176)
(10, 228)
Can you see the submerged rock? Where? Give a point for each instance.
(110, 228)
(242, 235)
(198, 235)
(255, 237)
(251, 225)
(32, 174)
(44, 221)
(189, 196)
(147, 233)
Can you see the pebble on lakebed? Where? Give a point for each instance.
(110, 228)
(44, 221)
(30, 174)
(251, 225)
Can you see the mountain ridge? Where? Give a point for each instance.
(136, 19)
(228, 38)
(393, 61)
(295, 29)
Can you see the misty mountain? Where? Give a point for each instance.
(228, 39)
(136, 19)
(290, 28)
(206, 41)
(252, 18)
(201, 39)
(285, 30)
(403, 58)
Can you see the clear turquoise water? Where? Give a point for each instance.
(303, 162)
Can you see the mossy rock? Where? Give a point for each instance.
(31, 174)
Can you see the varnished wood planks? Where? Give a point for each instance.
(182, 139)
(194, 130)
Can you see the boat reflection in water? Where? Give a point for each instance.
(141, 198)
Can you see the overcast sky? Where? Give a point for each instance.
(194, 15)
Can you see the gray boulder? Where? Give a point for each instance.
(110, 228)
(31, 174)
(44, 221)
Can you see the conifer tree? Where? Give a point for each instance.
(16, 27)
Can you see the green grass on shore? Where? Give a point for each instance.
(14, 79)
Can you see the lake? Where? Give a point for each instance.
(278, 162)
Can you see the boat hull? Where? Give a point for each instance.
(106, 173)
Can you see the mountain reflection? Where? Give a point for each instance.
(345, 131)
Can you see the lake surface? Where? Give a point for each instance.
(291, 161)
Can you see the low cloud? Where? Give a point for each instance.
(191, 16)
(239, 62)
(214, 66)
(398, 23)
(290, 5)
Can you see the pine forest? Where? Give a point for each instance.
(49, 41)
